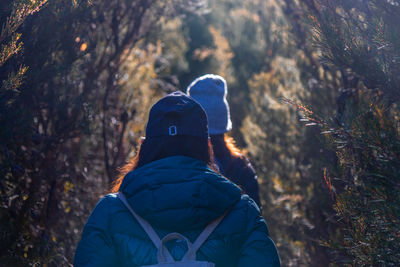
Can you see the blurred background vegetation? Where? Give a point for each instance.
(314, 89)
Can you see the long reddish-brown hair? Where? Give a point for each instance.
(226, 152)
(156, 148)
(224, 144)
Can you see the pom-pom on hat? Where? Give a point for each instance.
(210, 91)
(177, 114)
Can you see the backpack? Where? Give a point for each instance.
(164, 258)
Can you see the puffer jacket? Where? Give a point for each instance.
(176, 194)
(240, 171)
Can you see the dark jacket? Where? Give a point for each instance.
(176, 194)
(240, 171)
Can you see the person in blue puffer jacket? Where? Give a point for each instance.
(171, 183)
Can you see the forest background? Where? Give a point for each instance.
(314, 90)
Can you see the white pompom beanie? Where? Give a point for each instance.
(210, 91)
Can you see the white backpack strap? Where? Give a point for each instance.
(191, 254)
(146, 226)
(161, 256)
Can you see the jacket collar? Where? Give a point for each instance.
(179, 193)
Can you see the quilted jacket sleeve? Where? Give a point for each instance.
(95, 247)
(258, 248)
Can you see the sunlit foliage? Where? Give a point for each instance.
(68, 94)
(314, 97)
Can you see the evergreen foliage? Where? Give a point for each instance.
(359, 41)
(62, 121)
(78, 79)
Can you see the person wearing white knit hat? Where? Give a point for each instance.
(210, 91)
